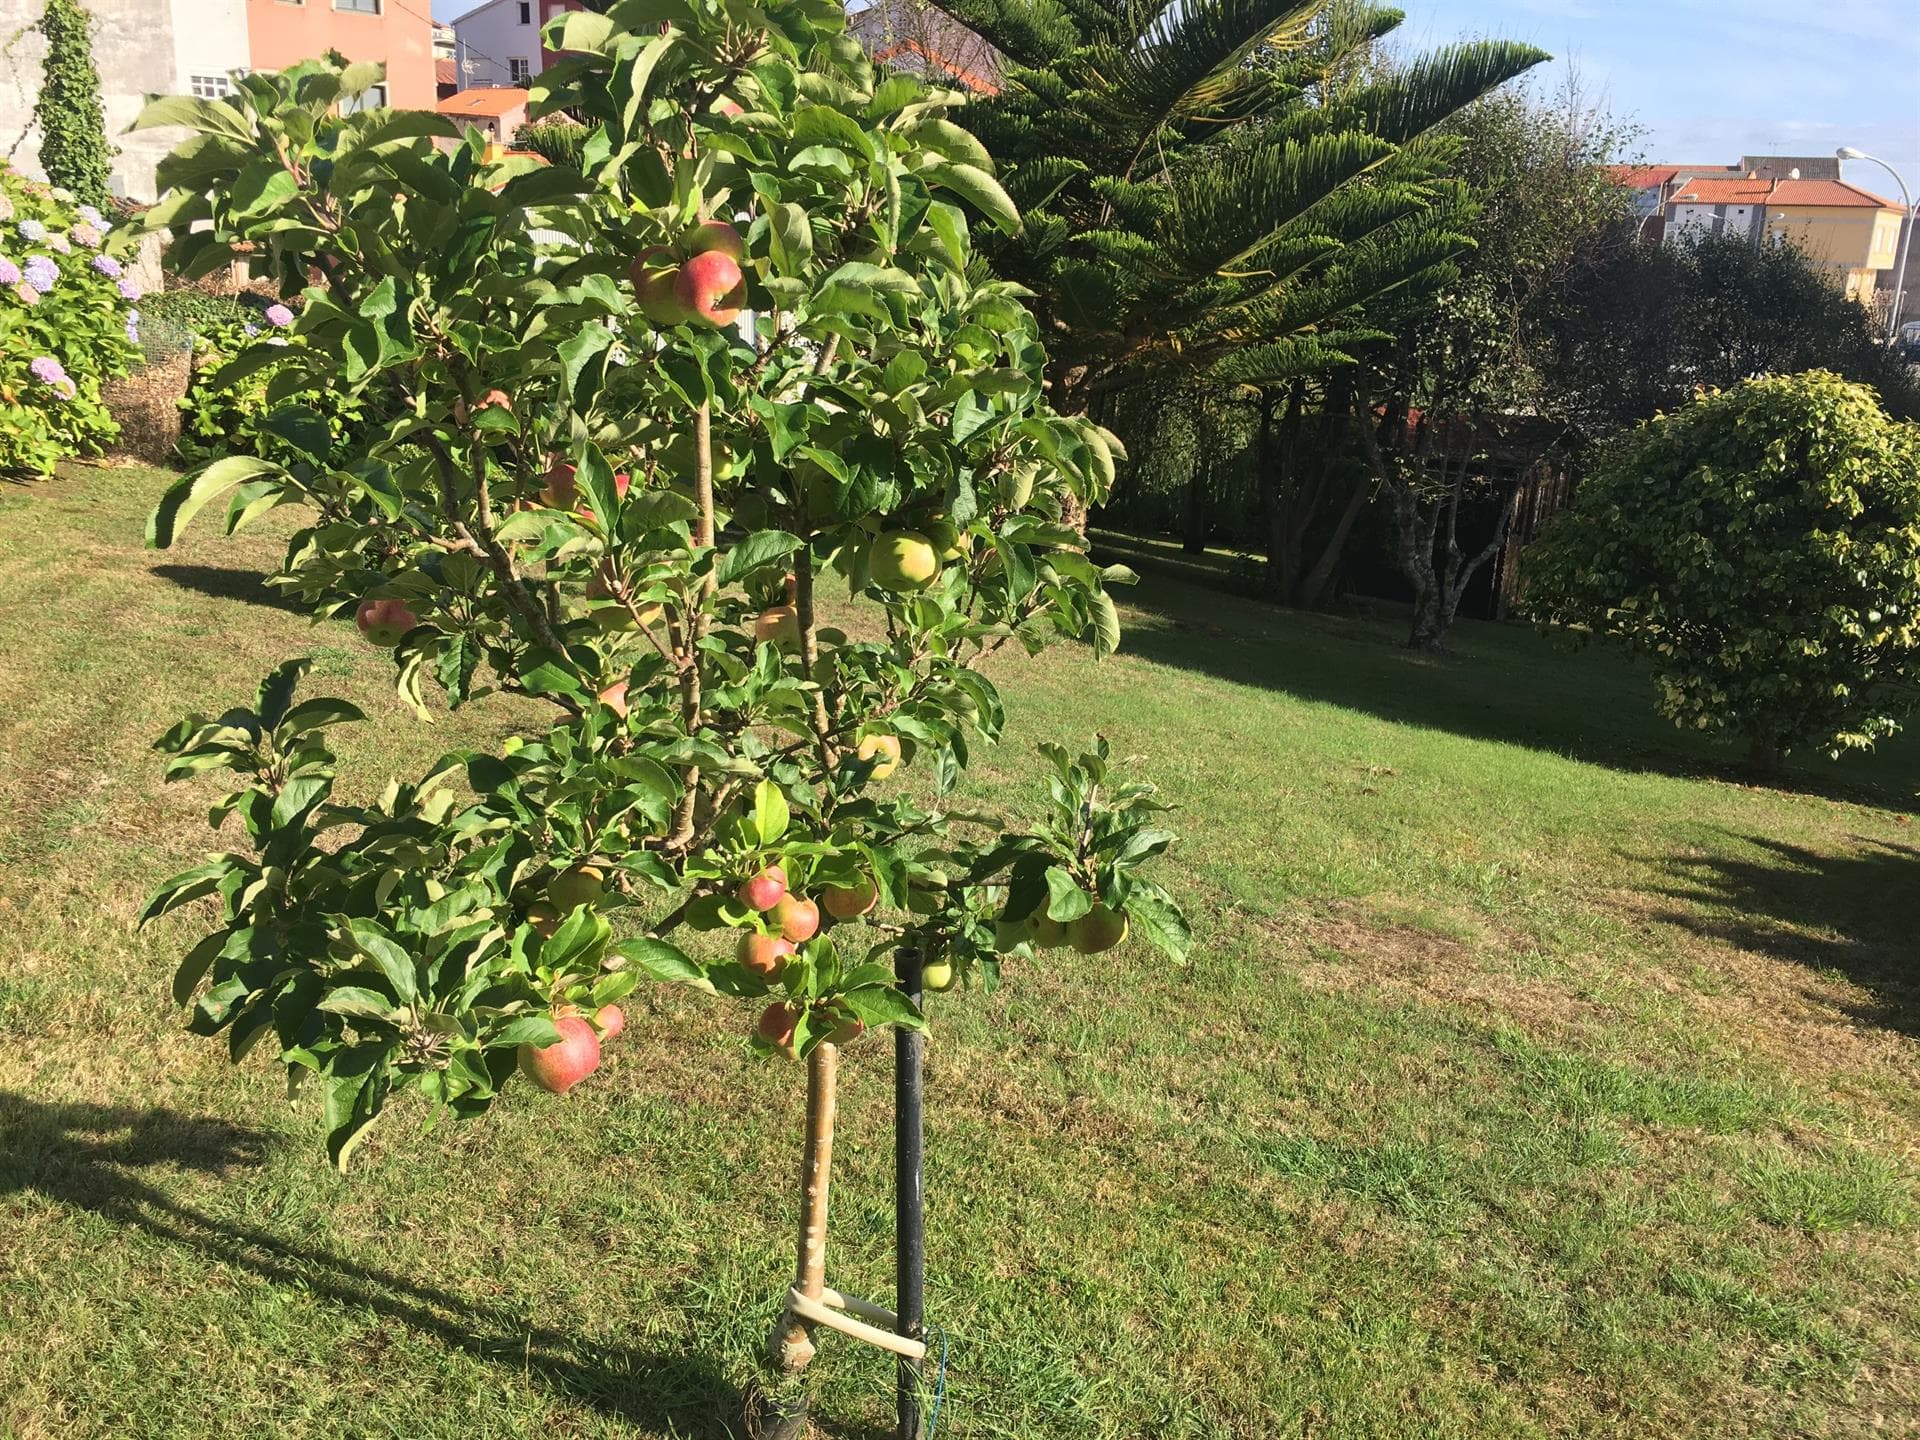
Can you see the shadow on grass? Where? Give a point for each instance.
(86, 1156)
(1502, 682)
(1854, 914)
(221, 582)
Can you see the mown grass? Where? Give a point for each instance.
(1532, 1077)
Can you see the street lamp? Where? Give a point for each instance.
(1847, 152)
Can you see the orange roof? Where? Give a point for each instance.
(1827, 192)
(489, 100)
(1642, 177)
(1724, 192)
(445, 72)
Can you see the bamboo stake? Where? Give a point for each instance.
(790, 1346)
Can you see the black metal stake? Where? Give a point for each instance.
(909, 1217)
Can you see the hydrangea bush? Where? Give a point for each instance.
(68, 324)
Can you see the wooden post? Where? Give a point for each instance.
(790, 1346)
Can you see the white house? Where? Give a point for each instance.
(498, 43)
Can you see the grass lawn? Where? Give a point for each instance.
(1531, 1078)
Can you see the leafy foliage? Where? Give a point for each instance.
(1211, 189)
(72, 120)
(632, 521)
(232, 418)
(1762, 548)
(1650, 323)
(67, 324)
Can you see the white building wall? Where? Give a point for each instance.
(1686, 223)
(488, 39)
(209, 40)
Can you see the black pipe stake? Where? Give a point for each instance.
(909, 1216)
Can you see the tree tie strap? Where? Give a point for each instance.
(830, 1310)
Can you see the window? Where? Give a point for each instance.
(519, 71)
(209, 87)
(374, 97)
(526, 12)
(359, 7)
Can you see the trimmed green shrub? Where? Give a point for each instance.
(1761, 547)
(229, 417)
(67, 324)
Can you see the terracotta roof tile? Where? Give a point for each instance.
(486, 100)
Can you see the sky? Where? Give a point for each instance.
(1708, 81)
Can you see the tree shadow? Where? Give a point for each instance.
(1500, 682)
(85, 1156)
(222, 582)
(1853, 914)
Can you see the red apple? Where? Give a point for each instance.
(850, 1028)
(565, 1063)
(561, 488)
(765, 955)
(614, 697)
(384, 622)
(799, 920)
(711, 287)
(846, 902)
(763, 891)
(776, 1025)
(717, 236)
(610, 1020)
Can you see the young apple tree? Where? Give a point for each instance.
(640, 417)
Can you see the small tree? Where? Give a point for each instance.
(646, 411)
(1762, 548)
(73, 123)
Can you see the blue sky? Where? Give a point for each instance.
(1711, 80)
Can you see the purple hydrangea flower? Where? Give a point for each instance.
(250, 329)
(107, 266)
(93, 217)
(51, 373)
(26, 294)
(41, 273)
(133, 327)
(128, 290)
(59, 244)
(87, 235)
(32, 231)
(279, 315)
(9, 272)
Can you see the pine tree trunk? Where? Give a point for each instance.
(1763, 759)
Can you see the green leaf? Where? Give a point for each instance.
(664, 962)
(189, 885)
(978, 189)
(188, 495)
(770, 812)
(317, 714)
(536, 1030)
(392, 962)
(1106, 624)
(357, 1001)
(759, 550)
(1065, 899)
(1156, 916)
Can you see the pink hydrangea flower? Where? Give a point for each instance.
(85, 234)
(9, 272)
(279, 315)
(107, 266)
(59, 244)
(26, 294)
(128, 290)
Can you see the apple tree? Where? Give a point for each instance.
(644, 421)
